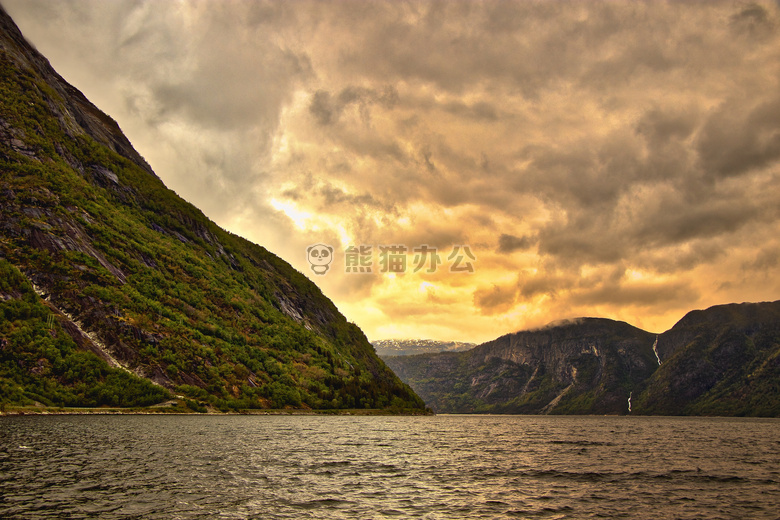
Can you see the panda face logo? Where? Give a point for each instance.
(320, 256)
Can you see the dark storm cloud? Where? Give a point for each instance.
(767, 259)
(607, 288)
(547, 283)
(605, 237)
(611, 154)
(327, 108)
(233, 94)
(456, 45)
(574, 175)
(510, 243)
(662, 126)
(480, 111)
(676, 223)
(753, 21)
(322, 108)
(495, 299)
(334, 198)
(740, 136)
(637, 294)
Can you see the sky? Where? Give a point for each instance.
(548, 160)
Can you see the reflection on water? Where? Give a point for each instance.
(376, 467)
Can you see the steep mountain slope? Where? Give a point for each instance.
(110, 280)
(588, 364)
(724, 360)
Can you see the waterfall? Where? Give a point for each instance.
(655, 350)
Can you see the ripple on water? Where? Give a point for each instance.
(184, 467)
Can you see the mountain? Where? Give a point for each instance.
(724, 360)
(565, 367)
(115, 291)
(407, 347)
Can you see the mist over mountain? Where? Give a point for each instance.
(115, 291)
(724, 360)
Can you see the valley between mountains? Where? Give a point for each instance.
(115, 292)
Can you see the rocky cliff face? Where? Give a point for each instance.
(75, 113)
(557, 344)
(590, 362)
(104, 267)
(720, 361)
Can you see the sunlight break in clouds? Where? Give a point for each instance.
(615, 159)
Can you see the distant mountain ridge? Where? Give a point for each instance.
(724, 360)
(116, 292)
(408, 347)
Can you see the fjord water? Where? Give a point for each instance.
(441, 467)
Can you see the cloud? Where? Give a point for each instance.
(510, 243)
(669, 125)
(327, 109)
(495, 299)
(548, 283)
(643, 294)
(767, 259)
(598, 157)
(322, 108)
(753, 21)
(740, 137)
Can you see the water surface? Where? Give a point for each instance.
(442, 467)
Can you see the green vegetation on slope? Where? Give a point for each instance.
(165, 291)
(727, 363)
(40, 362)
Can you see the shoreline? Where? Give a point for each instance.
(37, 411)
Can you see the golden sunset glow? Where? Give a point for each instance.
(611, 159)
